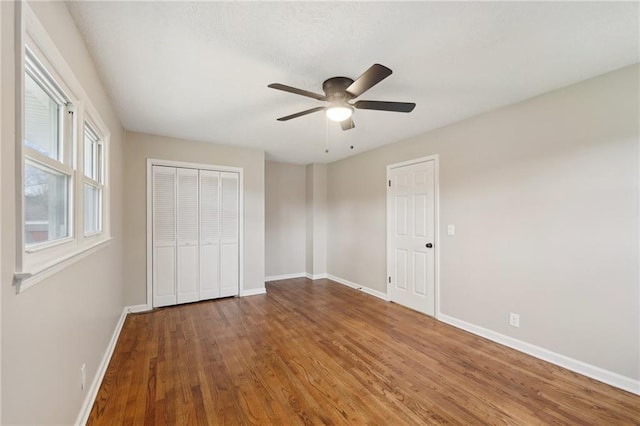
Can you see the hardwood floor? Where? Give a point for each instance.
(322, 353)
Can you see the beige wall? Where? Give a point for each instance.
(544, 196)
(285, 219)
(319, 184)
(316, 213)
(51, 329)
(2, 136)
(309, 218)
(141, 146)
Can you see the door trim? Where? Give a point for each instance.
(436, 234)
(170, 163)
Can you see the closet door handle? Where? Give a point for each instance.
(429, 245)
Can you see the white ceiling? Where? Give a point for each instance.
(200, 70)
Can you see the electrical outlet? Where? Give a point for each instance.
(514, 320)
(451, 230)
(83, 375)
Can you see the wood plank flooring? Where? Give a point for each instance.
(321, 353)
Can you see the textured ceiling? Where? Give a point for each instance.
(200, 70)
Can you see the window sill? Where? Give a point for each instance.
(27, 279)
(48, 244)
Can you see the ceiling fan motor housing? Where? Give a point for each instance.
(335, 89)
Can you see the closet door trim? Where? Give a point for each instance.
(180, 164)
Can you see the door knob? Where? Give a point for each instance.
(429, 245)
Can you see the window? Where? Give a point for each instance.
(48, 124)
(93, 165)
(63, 149)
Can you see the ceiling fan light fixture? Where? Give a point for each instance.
(340, 91)
(339, 112)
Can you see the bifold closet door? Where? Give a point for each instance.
(187, 282)
(229, 234)
(195, 235)
(164, 236)
(209, 234)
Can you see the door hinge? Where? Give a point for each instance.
(389, 183)
(389, 280)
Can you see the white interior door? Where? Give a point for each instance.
(187, 283)
(411, 235)
(229, 234)
(209, 234)
(164, 236)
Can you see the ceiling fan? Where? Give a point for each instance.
(339, 91)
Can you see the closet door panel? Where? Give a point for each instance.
(229, 230)
(164, 236)
(209, 234)
(164, 276)
(229, 270)
(209, 270)
(188, 274)
(187, 208)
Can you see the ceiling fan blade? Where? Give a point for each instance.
(370, 78)
(347, 124)
(386, 106)
(301, 113)
(295, 91)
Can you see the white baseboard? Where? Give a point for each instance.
(137, 309)
(285, 276)
(376, 293)
(597, 373)
(363, 289)
(316, 276)
(92, 392)
(253, 292)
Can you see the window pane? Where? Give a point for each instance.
(89, 153)
(46, 202)
(99, 163)
(41, 120)
(91, 209)
(92, 154)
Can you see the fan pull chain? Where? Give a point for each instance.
(326, 144)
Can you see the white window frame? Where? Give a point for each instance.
(62, 165)
(98, 166)
(39, 261)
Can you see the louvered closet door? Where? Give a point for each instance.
(229, 230)
(187, 283)
(209, 234)
(164, 236)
